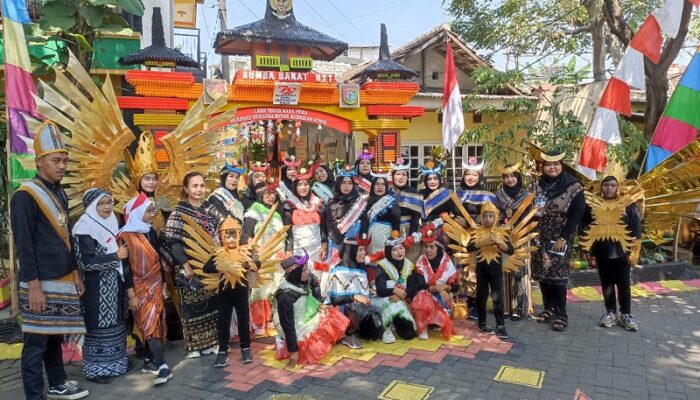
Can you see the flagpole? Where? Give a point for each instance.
(454, 172)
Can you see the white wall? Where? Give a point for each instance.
(166, 10)
(435, 62)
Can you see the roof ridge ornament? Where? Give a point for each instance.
(281, 8)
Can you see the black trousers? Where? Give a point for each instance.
(41, 352)
(489, 276)
(554, 297)
(154, 351)
(233, 299)
(615, 273)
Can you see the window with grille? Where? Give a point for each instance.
(419, 154)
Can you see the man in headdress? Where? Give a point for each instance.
(50, 286)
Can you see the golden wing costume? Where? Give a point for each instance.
(98, 132)
(232, 265)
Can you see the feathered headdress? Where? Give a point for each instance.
(430, 168)
(292, 162)
(359, 241)
(234, 167)
(401, 165)
(303, 174)
(510, 169)
(346, 172)
(489, 207)
(144, 161)
(395, 239)
(259, 167)
(289, 264)
(473, 164)
(365, 155)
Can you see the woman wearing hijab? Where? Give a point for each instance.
(343, 211)
(260, 307)
(363, 171)
(144, 263)
(382, 215)
(305, 213)
(289, 170)
(198, 307)
(431, 285)
(348, 288)
(410, 202)
(508, 198)
(108, 285)
(436, 198)
(307, 330)
(324, 181)
(561, 205)
(471, 191)
(256, 175)
(390, 284)
(225, 198)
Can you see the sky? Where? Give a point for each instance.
(353, 21)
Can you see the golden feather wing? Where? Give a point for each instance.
(671, 189)
(521, 235)
(267, 256)
(461, 236)
(99, 134)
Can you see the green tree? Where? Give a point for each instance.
(545, 27)
(77, 22)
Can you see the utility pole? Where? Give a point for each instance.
(224, 58)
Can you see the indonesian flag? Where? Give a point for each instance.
(452, 116)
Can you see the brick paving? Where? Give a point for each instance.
(661, 361)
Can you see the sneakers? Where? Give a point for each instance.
(193, 354)
(473, 315)
(423, 335)
(501, 332)
(164, 375)
(388, 336)
(70, 390)
(487, 329)
(211, 350)
(352, 342)
(149, 367)
(221, 360)
(246, 356)
(608, 319)
(627, 322)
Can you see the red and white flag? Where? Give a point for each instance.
(452, 115)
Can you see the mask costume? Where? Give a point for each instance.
(562, 204)
(302, 324)
(473, 197)
(106, 282)
(431, 308)
(381, 217)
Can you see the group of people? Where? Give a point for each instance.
(365, 256)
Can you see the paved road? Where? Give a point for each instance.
(662, 361)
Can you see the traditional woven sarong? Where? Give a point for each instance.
(199, 316)
(104, 352)
(63, 314)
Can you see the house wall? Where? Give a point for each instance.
(435, 63)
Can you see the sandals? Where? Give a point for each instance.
(544, 317)
(560, 324)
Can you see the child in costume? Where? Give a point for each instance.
(489, 242)
(431, 285)
(390, 285)
(307, 329)
(348, 288)
(613, 233)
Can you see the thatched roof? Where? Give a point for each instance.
(158, 51)
(278, 30)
